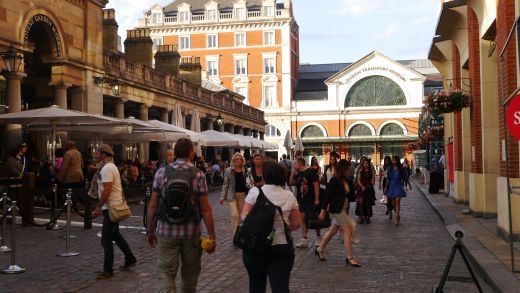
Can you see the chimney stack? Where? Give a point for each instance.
(110, 37)
(167, 59)
(191, 70)
(139, 46)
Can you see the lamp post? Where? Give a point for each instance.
(116, 86)
(220, 120)
(12, 61)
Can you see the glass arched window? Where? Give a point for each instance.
(312, 131)
(392, 129)
(271, 131)
(360, 130)
(375, 91)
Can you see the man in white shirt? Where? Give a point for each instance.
(111, 193)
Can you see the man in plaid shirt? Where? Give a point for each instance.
(180, 241)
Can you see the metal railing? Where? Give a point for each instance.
(222, 17)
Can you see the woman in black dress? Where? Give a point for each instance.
(365, 180)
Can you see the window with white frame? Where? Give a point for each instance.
(240, 39)
(242, 90)
(272, 131)
(269, 65)
(270, 97)
(240, 66)
(212, 41)
(269, 38)
(184, 16)
(156, 17)
(157, 42)
(240, 13)
(269, 11)
(212, 68)
(211, 14)
(184, 42)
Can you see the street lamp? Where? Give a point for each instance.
(219, 120)
(116, 87)
(12, 59)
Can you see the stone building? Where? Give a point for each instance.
(367, 108)
(476, 50)
(71, 59)
(249, 47)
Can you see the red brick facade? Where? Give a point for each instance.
(459, 158)
(474, 74)
(505, 18)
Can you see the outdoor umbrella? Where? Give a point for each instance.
(288, 143)
(299, 145)
(223, 139)
(177, 118)
(194, 136)
(195, 126)
(255, 143)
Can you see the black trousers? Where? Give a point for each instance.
(276, 264)
(109, 233)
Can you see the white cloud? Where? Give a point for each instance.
(359, 7)
(389, 31)
(422, 20)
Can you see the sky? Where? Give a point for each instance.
(337, 31)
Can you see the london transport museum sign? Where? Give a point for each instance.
(513, 117)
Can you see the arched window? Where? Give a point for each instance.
(312, 131)
(272, 131)
(374, 91)
(360, 130)
(392, 129)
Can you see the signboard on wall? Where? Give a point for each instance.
(513, 117)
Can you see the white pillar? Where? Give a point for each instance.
(13, 132)
(60, 95)
(120, 109)
(163, 146)
(144, 149)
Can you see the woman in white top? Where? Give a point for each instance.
(278, 261)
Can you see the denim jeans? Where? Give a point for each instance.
(109, 233)
(276, 264)
(171, 250)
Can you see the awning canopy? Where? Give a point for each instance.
(224, 139)
(194, 136)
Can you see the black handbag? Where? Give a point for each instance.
(313, 222)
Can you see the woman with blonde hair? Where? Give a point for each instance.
(234, 189)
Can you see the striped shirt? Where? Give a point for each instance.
(190, 228)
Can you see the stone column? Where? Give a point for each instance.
(13, 132)
(220, 128)
(120, 108)
(144, 148)
(60, 98)
(255, 133)
(239, 130)
(262, 135)
(163, 146)
(77, 99)
(209, 123)
(247, 131)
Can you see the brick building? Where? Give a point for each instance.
(481, 59)
(367, 108)
(249, 47)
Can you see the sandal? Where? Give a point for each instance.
(354, 264)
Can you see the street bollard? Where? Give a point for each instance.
(147, 197)
(55, 211)
(4, 247)
(68, 227)
(69, 213)
(13, 268)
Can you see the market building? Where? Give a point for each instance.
(476, 50)
(67, 53)
(367, 108)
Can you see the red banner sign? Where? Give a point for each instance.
(513, 117)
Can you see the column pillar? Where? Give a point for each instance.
(220, 128)
(255, 133)
(60, 95)
(239, 130)
(262, 135)
(13, 132)
(144, 148)
(77, 99)
(163, 146)
(209, 123)
(247, 131)
(120, 108)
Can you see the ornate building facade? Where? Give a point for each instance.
(70, 55)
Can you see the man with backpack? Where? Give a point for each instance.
(179, 202)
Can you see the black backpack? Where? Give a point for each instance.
(254, 235)
(177, 203)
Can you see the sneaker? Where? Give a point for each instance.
(317, 243)
(304, 243)
(105, 275)
(355, 237)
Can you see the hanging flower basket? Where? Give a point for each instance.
(447, 102)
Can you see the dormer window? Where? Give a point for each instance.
(211, 14)
(240, 13)
(184, 16)
(269, 11)
(156, 17)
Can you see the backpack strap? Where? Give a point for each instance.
(279, 209)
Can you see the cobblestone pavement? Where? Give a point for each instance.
(409, 258)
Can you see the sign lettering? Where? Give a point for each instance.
(52, 28)
(513, 117)
(375, 68)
